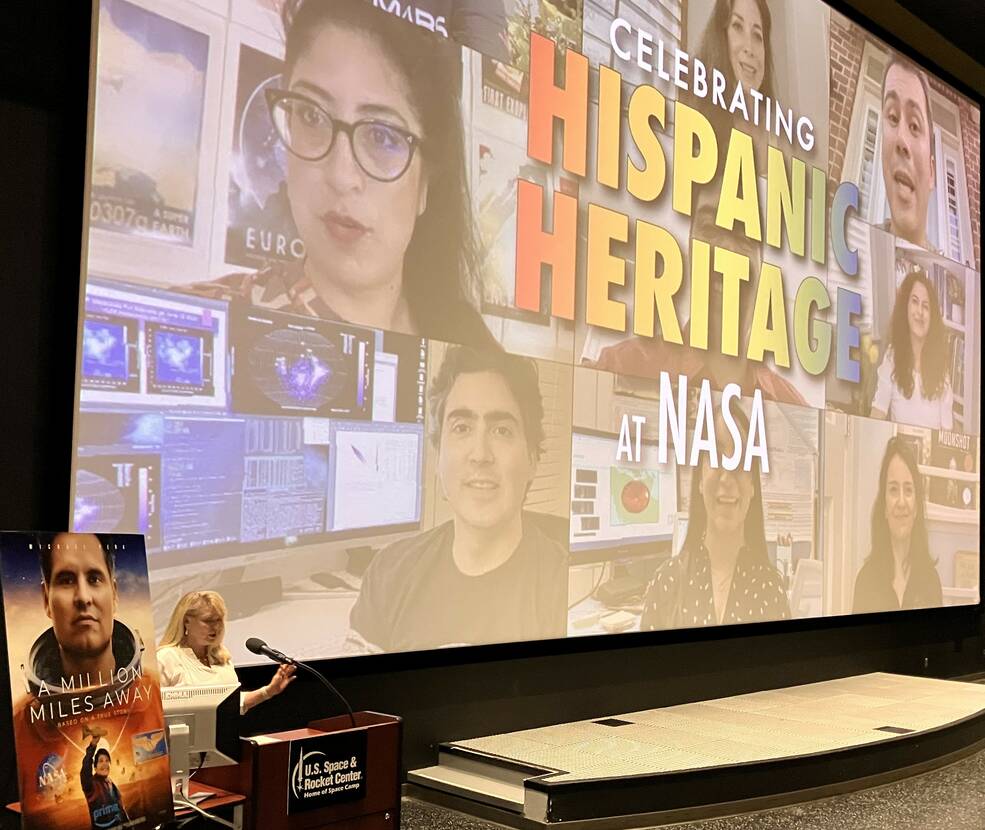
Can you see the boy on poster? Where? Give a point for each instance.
(86, 697)
(103, 796)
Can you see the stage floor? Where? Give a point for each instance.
(848, 718)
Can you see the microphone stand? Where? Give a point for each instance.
(325, 682)
(258, 646)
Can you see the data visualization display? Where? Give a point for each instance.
(220, 431)
(285, 363)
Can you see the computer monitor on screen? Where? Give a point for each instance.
(203, 728)
(146, 347)
(225, 448)
(375, 475)
(620, 508)
(286, 364)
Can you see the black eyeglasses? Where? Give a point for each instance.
(382, 151)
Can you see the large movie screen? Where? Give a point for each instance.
(406, 328)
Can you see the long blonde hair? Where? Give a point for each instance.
(193, 604)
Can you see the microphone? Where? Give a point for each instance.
(258, 646)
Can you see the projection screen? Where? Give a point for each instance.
(409, 325)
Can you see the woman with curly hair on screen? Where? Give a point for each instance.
(912, 385)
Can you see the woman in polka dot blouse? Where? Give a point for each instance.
(723, 574)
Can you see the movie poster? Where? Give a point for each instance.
(150, 92)
(260, 226)
(88, 723)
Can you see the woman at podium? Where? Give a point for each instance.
(191, 652)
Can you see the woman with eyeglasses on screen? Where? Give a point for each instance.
(912, 385)
(191, 652)
(723, 574)
(899, 571)
(369, 113)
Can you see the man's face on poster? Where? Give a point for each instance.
(81, 598)
(907, 162)
(484, 462)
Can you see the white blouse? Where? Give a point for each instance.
(180, 667)
(936, 413)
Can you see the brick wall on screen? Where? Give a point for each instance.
(846, 59)
(847, 42)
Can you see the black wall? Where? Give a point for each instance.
(43, 88)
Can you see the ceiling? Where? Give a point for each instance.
(962, 22)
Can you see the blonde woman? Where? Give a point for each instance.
(191, 652)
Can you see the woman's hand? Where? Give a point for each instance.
(282, 678)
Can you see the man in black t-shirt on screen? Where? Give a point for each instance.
(490, 574)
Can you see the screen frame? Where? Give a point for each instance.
(968, 617)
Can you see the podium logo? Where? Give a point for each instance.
(305, 769)
(326, 769)
(315, 775)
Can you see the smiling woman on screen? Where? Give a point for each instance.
(737, 42)
(899, 571)
(723, 574)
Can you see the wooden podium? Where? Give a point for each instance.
(330, 775)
